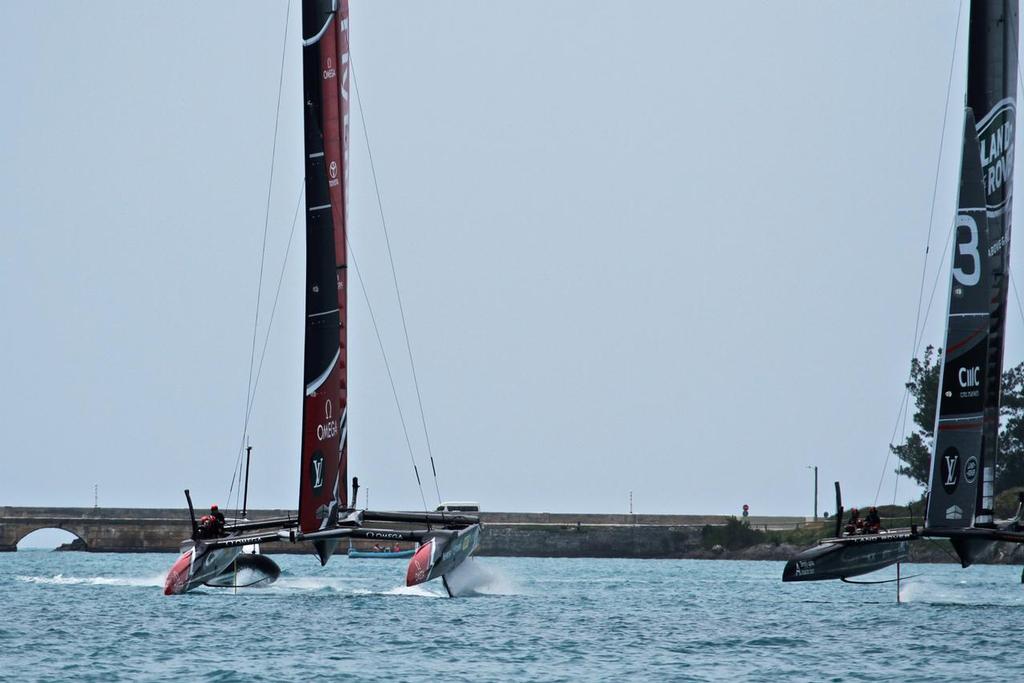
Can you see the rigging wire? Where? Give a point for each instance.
(270, 324)
(277, 294)
(919, 336)
(920, 324)
(1016, 294)
(903, 430)
(263, 253)
(394, 277)
(387, 366)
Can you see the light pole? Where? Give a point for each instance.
(815, 468)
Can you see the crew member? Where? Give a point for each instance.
(206, 527)
(855, 522)
(872, 523)
(218, 520)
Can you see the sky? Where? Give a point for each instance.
(667, 250)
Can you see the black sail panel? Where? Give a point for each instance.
(957, 461)
(992, 94)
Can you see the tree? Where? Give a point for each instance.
(1010, 467)
(923, 385)
(915, 451)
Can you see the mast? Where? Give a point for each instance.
(322, 489)
(962, 482)
(245, 495)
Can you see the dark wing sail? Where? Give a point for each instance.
(957, 461)
(967, 430)
(321, 489)
(992, 94)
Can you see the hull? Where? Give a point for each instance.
(197, 565)
(440, 555)
(249, 570)
(379, 555)
(842, 559)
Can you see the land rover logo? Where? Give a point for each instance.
(316, 472)
(949, 469)
(971, 469)
(995, 138)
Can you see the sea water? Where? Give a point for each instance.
(103, 617)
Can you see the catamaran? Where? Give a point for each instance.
(961, 487)
(325, 513)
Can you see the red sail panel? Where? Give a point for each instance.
(334, 120)
(320, 435)
(321, 486)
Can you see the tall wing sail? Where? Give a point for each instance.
(967, 430)
(957, 461)
(992, 90)
(321, 488)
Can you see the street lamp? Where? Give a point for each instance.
(815, 468)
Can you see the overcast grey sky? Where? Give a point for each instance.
(661, 247)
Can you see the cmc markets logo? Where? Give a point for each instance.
(995, 138)
(316, 472)
(968, 377)
(949, 469)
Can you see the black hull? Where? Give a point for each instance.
(249, 570)
(842, 559)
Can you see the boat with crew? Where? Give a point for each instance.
(326, 514)
(963, 459)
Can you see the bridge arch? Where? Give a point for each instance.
(14, 531)
(50, 537)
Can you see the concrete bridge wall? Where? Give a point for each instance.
(506, 533)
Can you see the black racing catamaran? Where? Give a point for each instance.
(325, 514)
(961, 487)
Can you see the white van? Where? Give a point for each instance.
(460, 506)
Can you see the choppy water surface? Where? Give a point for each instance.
(103, 617)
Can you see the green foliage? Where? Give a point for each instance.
(733, 535)
(1006, 503)
(914, 453)
(916, 456)
(1010, 466)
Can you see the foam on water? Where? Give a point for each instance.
(478, 578)
(420, 591)
(61, 580)
(929, 590)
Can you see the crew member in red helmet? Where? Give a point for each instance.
(218, 520)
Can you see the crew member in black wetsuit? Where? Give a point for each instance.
(218, 520)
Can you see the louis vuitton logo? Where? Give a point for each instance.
(951, 470)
